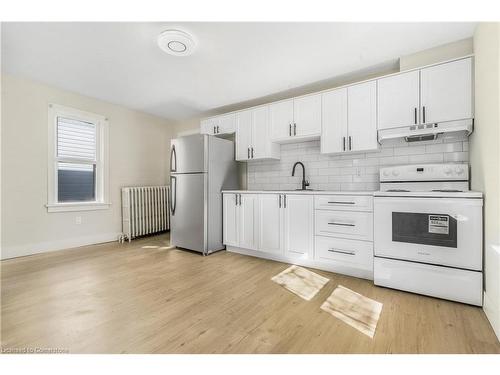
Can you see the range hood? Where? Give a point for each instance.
(426, 132)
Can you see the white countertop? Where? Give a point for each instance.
(424, 194)
(310, 192)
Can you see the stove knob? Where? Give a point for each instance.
(459, 170)
(395, 173)
(447, 171)
(386, 173)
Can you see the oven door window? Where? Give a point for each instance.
(425, 229)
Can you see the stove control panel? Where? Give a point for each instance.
(425, 172)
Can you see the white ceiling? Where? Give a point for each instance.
(234, 62)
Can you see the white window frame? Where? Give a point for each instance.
(102, 160)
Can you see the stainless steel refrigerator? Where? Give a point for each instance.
(200, 167)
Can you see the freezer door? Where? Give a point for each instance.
(188, 154)
(188, 211)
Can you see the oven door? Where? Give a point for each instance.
(442, 231)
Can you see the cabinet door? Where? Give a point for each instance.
(248, 220)
(281, 119)
(207, 126)
(270, 223)
(307, 116)
(230, 220)
(298, 225)
(398, 100)
(446, 91)
(226, 124)
(362, 117)
(334, 126)
(243, 134)
(261, 142)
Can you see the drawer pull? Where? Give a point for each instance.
(339, 202)
(346, 252)
(343, 224)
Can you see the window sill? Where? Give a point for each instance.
(65, 207)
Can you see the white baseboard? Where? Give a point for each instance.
(9, 252)
(330, 267)
(492, 313)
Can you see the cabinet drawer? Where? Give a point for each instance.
(343, 202)
(352, 253)
(344, 224)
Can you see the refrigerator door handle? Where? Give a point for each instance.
(173, 157)
(173, 194)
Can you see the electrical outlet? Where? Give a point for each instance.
(78, 220)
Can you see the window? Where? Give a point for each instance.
(78, 171)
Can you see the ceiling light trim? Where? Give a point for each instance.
(176, 42)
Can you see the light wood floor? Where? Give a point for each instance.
(115, 298)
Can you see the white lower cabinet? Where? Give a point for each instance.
(270, 223)
(298, 225)
(296, 228)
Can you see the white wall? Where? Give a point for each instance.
(139, 152)
(485, 157)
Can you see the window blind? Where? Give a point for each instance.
(76, 139)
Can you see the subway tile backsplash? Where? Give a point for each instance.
(349, 171)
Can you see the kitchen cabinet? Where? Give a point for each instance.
(362, 117)
(253, 139)
(298, 225)
(296, 119)
(230, 219)
(271, 223)
(224, 124)
(247, 220)
(398, 100)
(350, 119)
(240, 220)
(435, 94)
(446, 92)
(334, 128)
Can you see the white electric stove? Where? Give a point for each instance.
(428, 232)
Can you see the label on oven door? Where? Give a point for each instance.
(439, 224)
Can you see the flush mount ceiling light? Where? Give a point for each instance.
(176, 42)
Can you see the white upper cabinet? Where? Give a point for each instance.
(243, 134)
(207, 126)
(296, 119)
(398, 100)
(334, 127)
(281, 120)
(446, 92)
(253, 140)
(226, 124)
(362, 117)
(307, 116)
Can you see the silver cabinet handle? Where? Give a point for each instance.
(236, 198)
(248, 153)
(350, 143)
(218, 129)
(415, 114)
(294, 128)
(214, 129)
(252, 152)
(279, 204)
(290, 130)
(346, 252)
(240, 198)
(284, 200)
(343, 142)
(340, 202)
(343, 224)
(423, 113)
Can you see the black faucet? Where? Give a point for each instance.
(305, 183)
